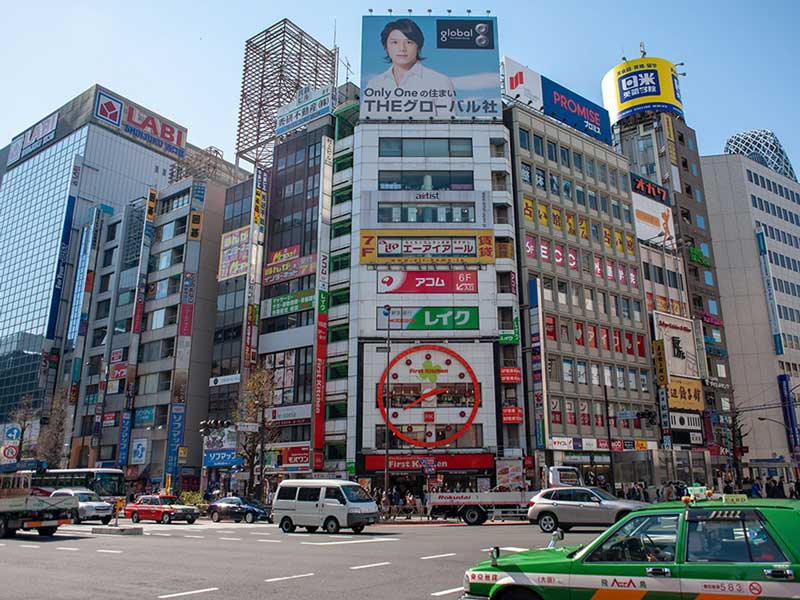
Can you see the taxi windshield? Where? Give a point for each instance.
(169, 500)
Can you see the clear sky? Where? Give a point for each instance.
(183, 58)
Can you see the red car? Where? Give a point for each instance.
(161, 509)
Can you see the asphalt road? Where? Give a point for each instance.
(214, 561)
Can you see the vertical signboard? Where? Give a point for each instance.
(539, 384)
(175, 436)
(789, 415)
(769, 291)
(323, 270)
(254, 278)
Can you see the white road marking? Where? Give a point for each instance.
(2, 544)
(270, 541)
(179, 594)
(110, 551)
(380, 564)
(260, 533)
(65, 548)
(448, 592)
(28, 546)
(162, 534)
(297, 534)
(349, 542)
(227, 539)
(196, 537)
(274, 579)
(437, 556)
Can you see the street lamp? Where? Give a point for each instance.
(387, 400)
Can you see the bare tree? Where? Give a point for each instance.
(255, 399)
(50, 446)
(23, 415)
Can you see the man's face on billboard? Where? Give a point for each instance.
(401, 50)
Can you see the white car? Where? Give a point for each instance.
(90, 506)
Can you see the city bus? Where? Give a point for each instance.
(109, 484)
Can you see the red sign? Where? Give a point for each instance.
(602, 444)
(153, 125)
(616, 446)
(284, 254)
(629, 343)
(550, 327)
(510, 375)
(617, 341)
(376, 462)
(428, 282)
(116, 355)
(429, 416)
(296, 456)
(110, 419)
(530, 246)
(559, 254)
(598, 266)
(512, 415)
(119, 371)
(187, 316)
(290, 269)
(132, 472)
(528, 462)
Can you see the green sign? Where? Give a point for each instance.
(350, 466)
(291, 303)
(443, 317)
(696, 256)
(511, 336)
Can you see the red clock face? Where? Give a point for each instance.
(436, 392)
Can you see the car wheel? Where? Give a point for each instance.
(518, 594)
(166, 518)
(46, 531)
(76, 520)
(215, 516)
(135, 518)
(190, 520)
(249, 517)
(286, 525)
(548, 522)
(621, 516)
(331, 525)
(105, 520)
(311, 528)
(358, 528)
(473, 516)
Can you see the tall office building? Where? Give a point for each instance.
(585, 348)
(99, 148)
(764, 147)
(644, 101)
(755, 222)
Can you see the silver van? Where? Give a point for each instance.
(328, 503)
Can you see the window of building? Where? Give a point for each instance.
(700, 221)
(592, 200)
(564, 156)
(111, 232)
(562, 292)
(708, 277)
(524, 139)
(712, 307)
(339, 333)
(538, 145)
(122, 325)
(340, 296)
(525, 173)
(99, 336)
(337, 370)
(426, 180)
(547, 289)
(102, 310)
(705, 250)
(577, 161)
(551, 152)
(108, 257)
(580, 195)
(341, 228)
(340, 262)
(541, 179)
(105, 282)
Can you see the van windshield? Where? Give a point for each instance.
(355, 493)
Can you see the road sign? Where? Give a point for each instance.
(247, 427)
(10, 452)
(13, 432)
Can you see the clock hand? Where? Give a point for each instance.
(434, 392)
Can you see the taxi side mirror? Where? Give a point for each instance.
(558, 535)
(494, 555)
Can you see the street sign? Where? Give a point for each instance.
(13, 432)
(626, 414)
(10, 452)
(247, 427)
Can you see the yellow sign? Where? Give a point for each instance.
(673, 155)
(570, 223)
(685, 393)
(183, 454)
(528, 209)
(639, 85)
(557, 218)
(151, 204)
(430, 246)
(195, 224)
(662, 378)
(629, 244)
(734, 498)
(641, 444)
(583, 227)
(542, 212)
(607, 236)
(258, 209)
(618, 239)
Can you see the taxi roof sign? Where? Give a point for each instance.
(734, 498)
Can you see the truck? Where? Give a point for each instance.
(475, 508)
(21, 510)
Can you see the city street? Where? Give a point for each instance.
(227, 560)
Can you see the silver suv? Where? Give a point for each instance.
(90, 506)
(566, 507)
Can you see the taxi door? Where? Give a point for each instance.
(633, 559)
(732, 553)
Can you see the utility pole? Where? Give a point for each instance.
(387, 398)
(610, 443)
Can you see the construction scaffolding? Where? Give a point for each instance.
(277, 62)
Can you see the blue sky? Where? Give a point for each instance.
(184, 59)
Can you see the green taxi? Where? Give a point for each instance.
(706, 550)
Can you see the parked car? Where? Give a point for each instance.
(161, 509)
(568, 507)
(90, 506)
(236, 508)
(736, 548)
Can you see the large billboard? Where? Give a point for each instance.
(429, 318)
(679, 345)
(540, 93)
(308, 104)
(652, 220)
(427, 282)
(642, 84)
(33, 139)
(429, 68)
(234, 253)
(442, 246)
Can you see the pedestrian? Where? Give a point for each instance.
(797, 489)
(669, 492)
(757, 488)
(643, 493)
(780, 488)
(727, 488)
(771, 487)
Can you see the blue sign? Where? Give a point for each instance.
(221, 458)
(13, 432)
(124, 438)
(175, 437)
(145, 415)
(61, 268)
(789, 417)
(575, 111)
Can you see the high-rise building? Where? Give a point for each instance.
(99, 148)
(585, 339)
(755, 222)
(644, 100)
(764, 147)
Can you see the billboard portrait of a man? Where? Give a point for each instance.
(429, 68)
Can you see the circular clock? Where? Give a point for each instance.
(425, 382)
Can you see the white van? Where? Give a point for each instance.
(328, 503)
